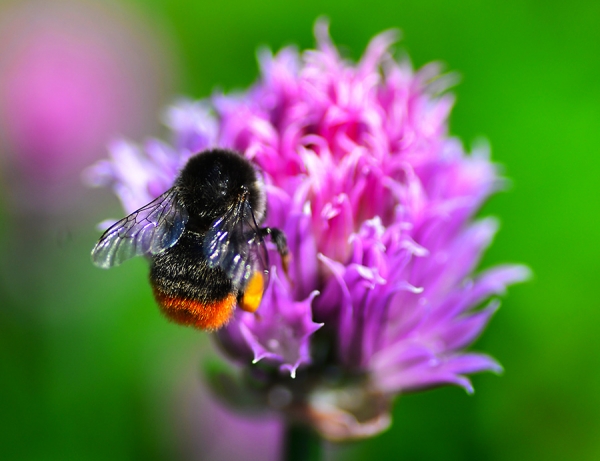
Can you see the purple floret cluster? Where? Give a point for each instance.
(378, 203)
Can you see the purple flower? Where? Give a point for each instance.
(378, 205)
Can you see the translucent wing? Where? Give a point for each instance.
(147, 231)
(259, 256)
(235, 243)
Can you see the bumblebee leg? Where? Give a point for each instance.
(278, 237)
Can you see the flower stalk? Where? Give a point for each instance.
(301, 443)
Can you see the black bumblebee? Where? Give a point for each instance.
(203, 237)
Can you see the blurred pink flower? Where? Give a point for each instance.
(72, 76)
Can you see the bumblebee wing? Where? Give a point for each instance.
(226, 247)
(257, 247)
(147, 231)
(234, 243)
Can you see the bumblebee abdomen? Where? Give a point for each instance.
(187, 290)
(193, 312)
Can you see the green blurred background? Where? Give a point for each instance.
(89, 370)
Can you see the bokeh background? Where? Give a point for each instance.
(89, 370)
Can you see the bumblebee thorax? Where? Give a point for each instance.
(214, 181)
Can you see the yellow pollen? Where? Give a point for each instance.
(253, 293)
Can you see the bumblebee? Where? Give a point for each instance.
(204, 241)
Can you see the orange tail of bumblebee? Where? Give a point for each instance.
(204, 316)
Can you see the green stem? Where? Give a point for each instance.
(301, 443)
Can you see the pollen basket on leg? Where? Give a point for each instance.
(253, 293)
(202, 315)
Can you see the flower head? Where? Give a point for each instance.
(378, 206)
